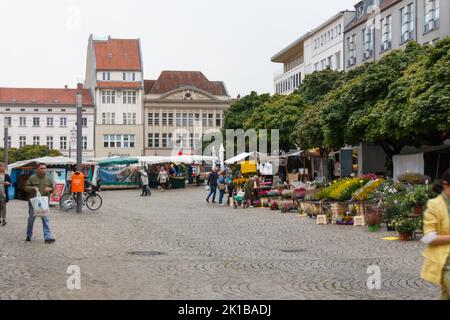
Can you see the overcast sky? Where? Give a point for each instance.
(43, 43)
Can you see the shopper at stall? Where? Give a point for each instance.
(162, 178)
(145, 184)
(436, 227)
(222, 186)
(44, 185)
(248, 190)
(5, 182)
(212, 183)
(230, 187)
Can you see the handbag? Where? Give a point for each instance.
(40, 205)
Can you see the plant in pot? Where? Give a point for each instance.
(273, 205)
(373, 221)
(286, 207)
(406, 227)
(417, 198)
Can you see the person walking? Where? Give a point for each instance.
(162, 178)
(436, 229)
(5, 182)
(39, 182)
(249, 188)
(144, 182)
(222, 186)
(212, 183)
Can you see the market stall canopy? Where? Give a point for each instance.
(186, 159)
(112, 161)
(241, 157)
(50, 161)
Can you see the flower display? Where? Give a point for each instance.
(365, 192)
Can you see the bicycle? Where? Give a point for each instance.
(91, 199)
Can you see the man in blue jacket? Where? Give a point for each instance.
(212, 183)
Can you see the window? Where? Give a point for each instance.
(150, 140)
(150, 119)
(50, 142)
(156, 143)
(185, 119)
(63, 122)
(179, 119)
(50, 110)
(84, 122)
(210, 120)
(63, 143)
(125, 141)
(109, 97)
(49, 122)
(106, 76)
(432, 13)
(386, 33)
(218, 120)
(351, 50)
(204, 119)
(129, 97)
(164, 119)
(367, 40)
(22, 110)
(36, 122)
(7, 121)
(84, 143)
(164, 140)
(330, 62)
(191, 119)
(156, 118)
(36, 140)
(22, 141)
(407, 23)
(108, 118)
(129, 76)
(129, 118)
(170, 116)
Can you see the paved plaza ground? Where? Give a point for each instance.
(208, 252)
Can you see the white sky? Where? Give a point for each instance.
(43, 43)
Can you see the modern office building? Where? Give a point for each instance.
(385, 25)
(179, 107)
(114, 74)
(316, 50)
(46, 117)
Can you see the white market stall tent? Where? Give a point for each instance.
(51, 161)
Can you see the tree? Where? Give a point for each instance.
(317, 84)
(279, 112)
(29, 152)
(242, 109)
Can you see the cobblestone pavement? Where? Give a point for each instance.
(208, 253)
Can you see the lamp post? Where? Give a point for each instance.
(73, 140)
(6, 142)
(79, 141)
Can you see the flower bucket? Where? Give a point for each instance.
(405, 236)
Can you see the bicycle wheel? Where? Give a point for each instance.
(94, 202)
(67, 202)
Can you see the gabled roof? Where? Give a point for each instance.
(172, 80)
(118, 54)
(35, 96)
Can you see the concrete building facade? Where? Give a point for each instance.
(181, 106)
(114, 74)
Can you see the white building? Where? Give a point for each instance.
(317, 50)
(114, 74)
(46, 117)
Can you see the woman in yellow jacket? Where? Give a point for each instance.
(436, 268)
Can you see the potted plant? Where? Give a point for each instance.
(273, 205)
(373, 221)
(416, 199)
(286, 207)
(406, 227)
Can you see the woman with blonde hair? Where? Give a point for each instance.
(436, 268)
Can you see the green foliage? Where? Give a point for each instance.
(29, 152)
(318, 84)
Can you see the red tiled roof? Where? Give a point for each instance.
(119, 85)
(148, 85)
(43, 96)
(118, 54)
(171, 80)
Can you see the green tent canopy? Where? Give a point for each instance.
(112, 161)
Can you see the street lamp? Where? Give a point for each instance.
(79, 137)
(73, 140)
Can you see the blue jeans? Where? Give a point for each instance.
(212, 192)
(45, 224)
(221, 193)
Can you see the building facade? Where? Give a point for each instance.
(46, 117)
(319, 49)
(181, 106)
(114, 74)
(381, 26)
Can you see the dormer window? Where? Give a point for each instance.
(106, 76)
(129, 76)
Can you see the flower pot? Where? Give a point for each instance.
(374, 228)
(405, 236)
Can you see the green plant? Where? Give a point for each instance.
(413, 178)
(417, 197)
(406, 224)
